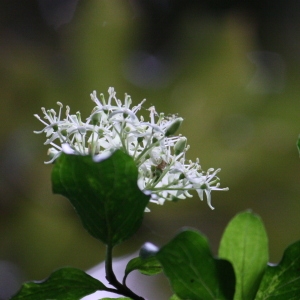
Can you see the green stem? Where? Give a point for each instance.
(112, 279)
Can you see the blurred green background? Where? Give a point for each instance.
(231, 71)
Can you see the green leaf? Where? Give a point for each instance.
(148, 266)
(175, 297)
(282, 282)
(105, 195)
(245, 245)
(63, 284)
(192, 270)
(298, 144)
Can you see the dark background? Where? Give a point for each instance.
(229, 68)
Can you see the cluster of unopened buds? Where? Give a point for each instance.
(158, 153)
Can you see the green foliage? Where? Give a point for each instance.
(105, 195)
(148, 266)
(282, 282)
(63, 284)
(245, 245)
(241, 272)
(298, 144)
(174, 297)
(107, 199)
(192, 270)
(195, 274)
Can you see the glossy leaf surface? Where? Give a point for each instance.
(147, 266)
(63, 284)
(174, 297)
(245, 245)
(192, 270)
(282, 282)
(105, 195)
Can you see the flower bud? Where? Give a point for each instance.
(95, 118)
(52, 152)
(78, 115)
(64, 132)
(180, 146)
(102, 98)
(173, 127)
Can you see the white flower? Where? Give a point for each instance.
(157, 152)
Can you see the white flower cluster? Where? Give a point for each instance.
(158, 153)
